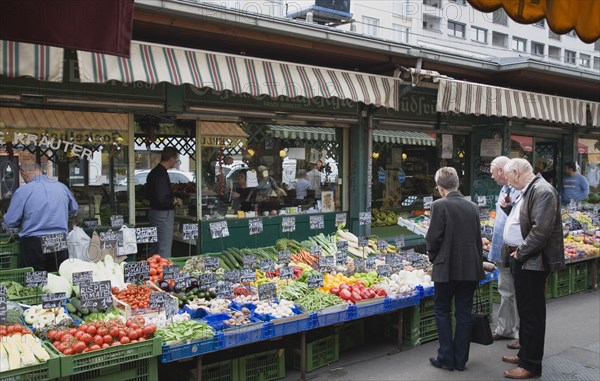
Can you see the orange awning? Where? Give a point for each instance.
(222, 134)
(562, 15)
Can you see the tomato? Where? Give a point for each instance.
(345, 294)
(62, 347)
(141, 339)
(68, 351)
(153, 271)
(79, 334)
(107, 339)
(94, 347)
(102, 331)
(10, 329)
(139, 320)
(116, 343)
(114, 332)
(133, 341)
(72, 331)
(92, 330)
(83, 327)
(149, 330)
(79, 347)
(122, 334)
(132, 335)
(98, 340)
(66, 337)
(105, 345)
(86, 338)
(139, 332)
(124, 340)
(3, 332)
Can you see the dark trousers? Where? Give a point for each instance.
(32, 255)
(530, 292)
(454, 351)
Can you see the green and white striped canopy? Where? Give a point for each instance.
(18, 59)
(240, 74)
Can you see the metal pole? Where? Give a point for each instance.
(131, 168)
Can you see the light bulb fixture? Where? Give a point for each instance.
(461, 154)
(375, 155)
(283, 153)
(404, 156)
(250, 152)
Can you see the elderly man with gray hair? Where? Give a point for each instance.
(455, 249)
(534, 241)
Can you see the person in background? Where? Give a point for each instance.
(162, 202)
(242, 193)
(40, 207)
(575, 186)
(533, 242)
(265, 198)
(314, 177)
(508, 318)
(302, 185)
(456, 251)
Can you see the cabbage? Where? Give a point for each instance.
(58, 284)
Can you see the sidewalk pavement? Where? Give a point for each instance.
(572, 352)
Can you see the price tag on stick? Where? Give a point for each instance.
(316, 222)
(225, 290)
(342, 245)
(370, 263)
(82, 278)
(286, 273)
(326, 263)
(359, 265)
(384, 270)
(316, 250)
(382, 244)
(284, 257)
(54, 300)
(136, 272)
(364, 218)
(157, 300)
(267, 291)
(170, 272)
(288, 224)
(146, 234)
(341, 258)
(340, 219)
(171, 307)
(232, 276)
(36, 279)
(249, 261)
(3, 305)
(211, 263)
(219, 229)
(267, 265)
(96, 295)
(116, 222)
(53, 242)
(90, 223)
(248, 275)
(111, 239)
(363, 241)
(255, 226)
(190, 231)
(208, 281)
(315, 281)
(399, 242)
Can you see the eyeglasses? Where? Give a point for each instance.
(178, 162)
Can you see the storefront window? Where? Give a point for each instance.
(589, 160)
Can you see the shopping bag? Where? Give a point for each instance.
(129, 242)
(78, 243)
(481, 333)
(96, 253)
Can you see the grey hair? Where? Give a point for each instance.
(447, 178)
(301, 173)
(521, 166)
(500, 162)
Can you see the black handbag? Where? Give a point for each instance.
(481, 332)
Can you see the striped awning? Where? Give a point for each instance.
(18, 59)
(240, 74)
(478, 99)
(222, 134)
(595, 112)
(302, 133)
(403, 137)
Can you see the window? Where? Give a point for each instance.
(456, 29)
(479, 34)
(553, 35)
(432, 3)
(519, 44)
(597, 46)
(585, 60)
(500, 17)
(537, 48)
(596, 63)
(370, 26)
(541, 23)
(399, 7)
(554, 52)
(500, 39)
(570, 56)
(431, 23)
(401, 33)
(572, 33)
(461, 2)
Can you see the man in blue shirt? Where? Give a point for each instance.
(508, 318)
(40, 207)
(575, 186)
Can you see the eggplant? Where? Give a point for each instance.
(192, 284)
(164, 285)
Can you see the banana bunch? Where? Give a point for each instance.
(390, 249)
(382, 217)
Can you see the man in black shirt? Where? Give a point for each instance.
(162, 202)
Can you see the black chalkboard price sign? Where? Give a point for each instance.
(148, 234)
(182, 279)
(225, 290)
(211, 263)
(190, 231)
(363, 241)
(267, 265)
(370, 263)
(82, 278)
(36, 279)
(111, 239)
(340, 219)
(284, 257)
(96, 295)
(399, 242)
(288, 224)
(249, 261)
(255, 226)
(169, 272)
(326, 263)
(359, 265)
(157, 300)
(341, 258)
(53, 242)
(248, 275)
(384, 270)
(315, 281)
(316, 222)
(364, 218)
(382, 244)
(316, 250)
(286, 273)
(116, 221)
(90, 223)
(218, 229)
(136, 272)
(171, 307)
(393, 260)
(342, 245)
(267, 291)
(3, 305)
(208, 280)
(232, 276)
(54, 300)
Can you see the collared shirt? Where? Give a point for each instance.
(41, 207)
(314, 177)
(512, 227)
(499, 223)
(159, 189)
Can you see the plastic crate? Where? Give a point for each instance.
(428, 329)
(411, 332)
(579, 277)
(288, 326)
(426, 307)
(109, 357)
(319, 353)
(188, 350)
(392, 304)
(139, 370)
(9, 255)
(234, 337)
(332, 315)
(495, 294)
(262, 366)
(351, 334)
(18, 275)
(49, 370)
(368, 308)
(221, 371)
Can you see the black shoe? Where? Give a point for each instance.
(434, 361)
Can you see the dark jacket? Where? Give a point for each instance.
(541, 227)
(159, 189)
(454, 240)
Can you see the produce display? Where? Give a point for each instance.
(157, 263)
(38, 317)
(185, 330)
(136, 296)
(382, 217)
(19, 348)
(16, 290)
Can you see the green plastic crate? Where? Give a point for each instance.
(320, 353)
(264, 366)
(548, 289)
(411, 331)
(426, 307)
(579, 277)
(221, 371)
(139, 370)
(109, 357)
(49, 370)
(351, 334)
(18, 275)
(495, 294)
(9, 255)
(428, 329)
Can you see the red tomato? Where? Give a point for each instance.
(79, 334)
(86, 338)
(66, 337)
(94, 347)
(149, 330)
(356, 296)
(3, 332)
(72, 331)
(51, 334)
(114, 332)
(92, 330)
(102, 331)
(68, 351)
(107, 339)
(345, 294)
(10, 329)
(84, 327)
(105, 345)
(116, 343)
(79, 347)
(124, 340)
(132, 335)
(98, 340)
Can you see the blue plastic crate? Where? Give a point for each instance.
(392, 304)
(290, 326)
(425, 292)
(333, 315)
(188, 350)
(198, 313)
(234, 337)
(489, 277)
(370, 308)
